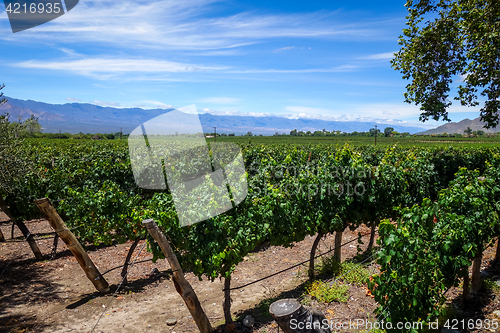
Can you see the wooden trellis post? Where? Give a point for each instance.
(57, 223)
(26, 233)
(181, 284)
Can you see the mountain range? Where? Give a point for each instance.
(90, 118)
(459, 127)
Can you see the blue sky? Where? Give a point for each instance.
(308, 59)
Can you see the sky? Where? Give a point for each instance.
(297, 59)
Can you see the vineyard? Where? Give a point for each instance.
(435, 209)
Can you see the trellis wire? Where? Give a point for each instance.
(118, 288)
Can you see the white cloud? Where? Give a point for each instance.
(342, 68)
(237, 113)
(114, 65)
(187, 25)
(107, 68)
(220, 100)
(71, 99)
(284, 49)
(156, 104)
(380, 56)
(101, 103)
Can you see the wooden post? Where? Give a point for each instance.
(181, 284)
(73, 245)
(26, 233)
(475, 283)
(337, 253)
(2, 238)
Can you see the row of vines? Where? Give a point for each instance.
(445, 202)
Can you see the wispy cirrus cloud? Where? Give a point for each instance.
(341, 68)
(188, 25)
(287, 48)
(114, 65)
(379, 56)
(103, 68)
(71, 99)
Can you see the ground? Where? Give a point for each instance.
(56, 296)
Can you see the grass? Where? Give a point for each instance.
(263, 306)
(349, 271)
(491, 285)
(326, 293)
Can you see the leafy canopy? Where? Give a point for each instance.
(449, 41)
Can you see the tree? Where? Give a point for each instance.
(249, 134)
(388, 131)
(32, 126)
(373, 131)
(318, 133)
(468, 131)
(13, 168)
(459, 40)
(2, 100)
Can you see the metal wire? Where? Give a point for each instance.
(118, 288)
(296, 265)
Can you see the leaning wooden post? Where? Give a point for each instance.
(26, 233)
(181, 284)
(57, 223)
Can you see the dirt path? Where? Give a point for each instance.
(56, 296)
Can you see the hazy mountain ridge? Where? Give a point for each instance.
(459, 127)
(90, 118)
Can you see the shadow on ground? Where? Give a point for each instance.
(482, 304)
(22, 283)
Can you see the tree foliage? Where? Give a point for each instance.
(446, 41)
(2, 100)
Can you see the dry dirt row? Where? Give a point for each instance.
(56, 296)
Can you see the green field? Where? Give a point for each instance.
(419, 141)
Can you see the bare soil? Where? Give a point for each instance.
(56, 296)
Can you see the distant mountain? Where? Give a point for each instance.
(90, 118)
(460, 127)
